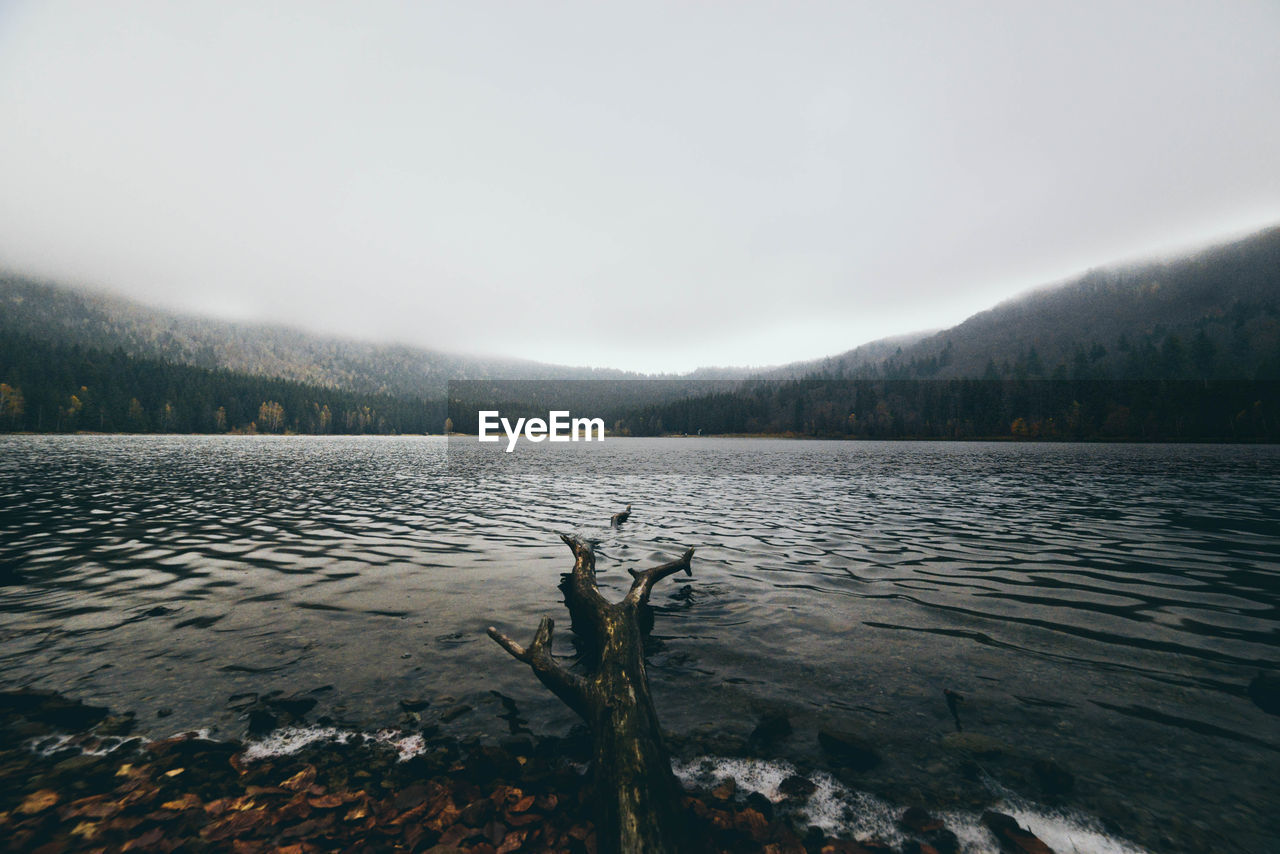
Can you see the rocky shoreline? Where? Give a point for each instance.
(72, 778)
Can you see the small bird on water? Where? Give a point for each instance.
(618, 518)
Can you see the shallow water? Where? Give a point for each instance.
(1102, 605)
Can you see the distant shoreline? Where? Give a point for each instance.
(1016, 440)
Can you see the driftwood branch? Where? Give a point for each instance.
(571, 689)
(639, 797)
(582, 581)
(644, 580)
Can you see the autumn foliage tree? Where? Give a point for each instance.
(271, 417)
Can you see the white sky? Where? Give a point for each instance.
(648, 185)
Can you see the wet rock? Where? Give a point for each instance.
(797, 787)
(760, 804)
(726, 790)
(51, 709)
(1264, 690)
(708, 739)
(261, 722)
(1054, 780)
(944, 841)
(916, 847)
(292, 709)
(848, 750)
(934, 837)
(918, 820)
(164, 713)
(414, 704)
(1013, 838)
(117, 724)
(773, 726)
(975, 744)
(454, 712)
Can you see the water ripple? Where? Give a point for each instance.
(1094, 598)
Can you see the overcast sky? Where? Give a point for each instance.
(643, 185)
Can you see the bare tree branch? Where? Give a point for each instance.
(644, 581)
(571, 689)
(638, 798)
(582, 582)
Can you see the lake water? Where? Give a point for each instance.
(1103, 606)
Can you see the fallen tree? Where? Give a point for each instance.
(639, 797)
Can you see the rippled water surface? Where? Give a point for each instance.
(1102, 605)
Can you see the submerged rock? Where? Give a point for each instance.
(1013, 837)
(848, 750)
(934, 836)
(261, 722)
(797, 787)
(414, 704)
(975, 744)
(772, 727)
(1054, 780)
(292, 708)
(918, 820)
(452, 714)
(50, 709)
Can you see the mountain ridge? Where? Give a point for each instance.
(1215, 312)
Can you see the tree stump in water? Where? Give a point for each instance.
(639, 797)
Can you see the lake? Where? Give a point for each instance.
(1102, 608)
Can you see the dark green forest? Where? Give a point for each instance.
(49, 387)
(1125, 410)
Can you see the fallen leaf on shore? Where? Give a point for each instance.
(86, 829)
(513, 841)
(300, 781)
(235, 824)
(38, 802)
(145, 841)
(94, 806)
(188, 801)
(326, 802)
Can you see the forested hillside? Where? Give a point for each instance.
(61, 315)
(1213, 315)
(1185, 349)
(52, 387)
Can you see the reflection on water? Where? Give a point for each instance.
(1104, 605)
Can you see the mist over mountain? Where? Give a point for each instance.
(82, 356)
(1212, 315)
(63, 315)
